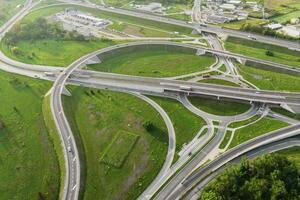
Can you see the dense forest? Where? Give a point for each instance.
(270, 177)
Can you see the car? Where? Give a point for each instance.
(69, 149)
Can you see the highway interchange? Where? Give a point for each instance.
(182, 181)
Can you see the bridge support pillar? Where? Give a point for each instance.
(66, 92)
(200, 52)
(242, 61)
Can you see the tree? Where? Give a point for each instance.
(269, 53)
(148, 125)
(270, 177)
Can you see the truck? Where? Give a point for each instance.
(50, 74)
(184, 87)
(251, 37)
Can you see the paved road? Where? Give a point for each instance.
(171, 148)
(269, 148)
(72, 161)
(208, 28)
(174, 193)
(157, 85)
(73, 166)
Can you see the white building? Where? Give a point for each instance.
(291, 31)
(151, 7)
(227, 6)
(274, 26)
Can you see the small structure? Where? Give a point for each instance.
(274, 26)
(227, 6)
(151, 7)
(291, 31)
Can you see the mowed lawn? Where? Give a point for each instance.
(53, 52)
(154, 63)
(270, 80)
(264, 125)
(28, 163)
(219, 82)
(219, 107)
(255, 49)
(186, 123)
(97, 117)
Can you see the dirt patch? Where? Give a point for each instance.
(133, 30)
(138, 170)
(100, 132)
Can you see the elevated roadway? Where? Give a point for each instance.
(157, 85)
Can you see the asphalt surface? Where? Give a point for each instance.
(269, 148)
(157, 85)
(72, 178)
(72, 185)
(174, 193)
(207, 28)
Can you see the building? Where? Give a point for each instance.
(151, 7)
(291, 31)
(227, 6)
(274, 26)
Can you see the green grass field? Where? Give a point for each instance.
(219, 82)
(28, 164)
(219, 107)
(270, 80)
(286, 113)
(8, 8)
(96, 126)
(244, 122)
(287, 17)
(239, 24)
(53, 52)
(258, 50)
(186, 124)
(154, 62)
(118, 150)
(265, 125)
(226, 139)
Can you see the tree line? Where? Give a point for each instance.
(39, 29)
(270, 177)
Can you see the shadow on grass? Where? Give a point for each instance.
(159, 134)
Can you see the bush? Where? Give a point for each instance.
(148, 125)
(269, 53)
(2, 125)
(39, 29)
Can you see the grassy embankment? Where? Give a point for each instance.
(256, 49)
(28, 163)
(155, 62)
(264, 125)
(219, 82)
(219, 107)
(186, 124)
(270, 80)
(97, 127)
